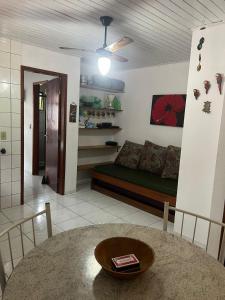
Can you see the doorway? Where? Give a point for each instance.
(43, 128)
(39, 127)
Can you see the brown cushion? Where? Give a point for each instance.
(171, 169)
(153, 158)
(129, 155)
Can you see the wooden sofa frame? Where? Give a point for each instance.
(133, 189)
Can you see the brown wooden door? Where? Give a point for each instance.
(52, 133)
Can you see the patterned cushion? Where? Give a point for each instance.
(153, 158)
(129, 155)
(171, 169)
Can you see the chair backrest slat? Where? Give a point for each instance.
(34, 238)
(182, 225)
(47, 211)
(193, 239)
(167, 208)
(2, 274)
(165, 216)
(49, 221)
(222, 248)
(209, 230)
(10, 250)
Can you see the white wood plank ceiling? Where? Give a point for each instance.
(161, 29)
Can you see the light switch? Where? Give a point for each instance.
(3, 135)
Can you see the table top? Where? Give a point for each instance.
(64, 268)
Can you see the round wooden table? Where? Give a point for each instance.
(64, 268)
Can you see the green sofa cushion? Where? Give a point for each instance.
(140, 177)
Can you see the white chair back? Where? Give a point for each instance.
(3, 277)
(167, 208)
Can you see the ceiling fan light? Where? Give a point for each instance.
(104, 65)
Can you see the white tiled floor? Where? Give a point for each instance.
(85, 207)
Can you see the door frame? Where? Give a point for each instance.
(62, 126)
(35, 143)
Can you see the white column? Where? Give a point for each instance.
(201, 187)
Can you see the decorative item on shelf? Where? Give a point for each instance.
(104, 125)
(90, 101)
(199, 62)
(97, 103)
(207, 86)
(219, 80)
(98, 114)
(89, 124)
(103, 114)
(113, 114)
(196, 93)
(201, 42)
(207, 107)
(116, 103)
(168, 110)
(86, 123)
(109, 100)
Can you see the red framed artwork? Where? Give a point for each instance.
(168, 110)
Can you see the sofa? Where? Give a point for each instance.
(140, 176)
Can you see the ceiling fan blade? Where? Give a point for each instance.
(118, 58)
(76, 49)
(119, 44)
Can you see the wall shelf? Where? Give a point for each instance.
(93, 147)
(100, 109)
(98, 88)
(87, 167)
(111, 128)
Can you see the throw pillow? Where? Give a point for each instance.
(129, 155)
(153, 158)
(172, 164)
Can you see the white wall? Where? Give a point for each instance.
(10, 182)
(70, 65)
(13, 54)
(201, 187)
(140, 86)
(29, 79)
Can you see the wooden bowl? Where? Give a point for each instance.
(118, 246)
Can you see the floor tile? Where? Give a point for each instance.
(68, 201)
(121, 210)
(74, 223)
(18, 212)
(141, 218)
(100, 217)
(102, 202)
(85, 208)
(3, 219)
(62, 215)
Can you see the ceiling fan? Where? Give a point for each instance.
(107, 52)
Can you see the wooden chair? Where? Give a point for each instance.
(167, 208)
(3, 276)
